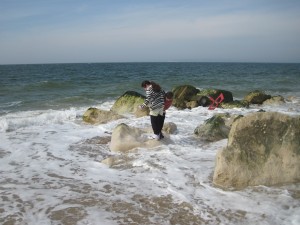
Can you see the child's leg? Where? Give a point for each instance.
(156, 124)
(162, 120)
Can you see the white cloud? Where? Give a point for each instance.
(161, 36)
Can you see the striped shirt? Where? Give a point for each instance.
(154, 100)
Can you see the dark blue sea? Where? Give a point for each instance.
(54, 86)
(51, 162)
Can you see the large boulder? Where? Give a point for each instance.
(99, 116)
(126, 138)
(128, 103)
(169, 128)
(257, 97)
(263, 149)
(183, 94)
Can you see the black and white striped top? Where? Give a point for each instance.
(154, 100)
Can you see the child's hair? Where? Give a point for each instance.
(145, 83)
(169, 95)
(155, 86)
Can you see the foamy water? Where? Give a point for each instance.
(51, 173)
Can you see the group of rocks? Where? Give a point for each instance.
(263, 147)
(188, 96)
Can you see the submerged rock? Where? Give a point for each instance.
(213, 129)
(169, 128)
(98, 116)
(263, 149)
(126, 138)
(216, 128)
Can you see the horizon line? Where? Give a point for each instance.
(51, 63)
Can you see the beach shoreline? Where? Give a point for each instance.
(51, 170)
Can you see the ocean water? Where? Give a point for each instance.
(50, 160)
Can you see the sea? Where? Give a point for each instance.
(51, 169)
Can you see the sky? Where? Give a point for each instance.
(87, 31)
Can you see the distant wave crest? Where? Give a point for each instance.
(16, 121)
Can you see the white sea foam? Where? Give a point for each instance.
(10, 104)
(51, 169)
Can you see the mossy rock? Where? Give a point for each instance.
(129, 103)
(187, 96)
(257, 97)
(234, 104)
(213, 129)
(214, 93)
(98, 116)
(183, 94)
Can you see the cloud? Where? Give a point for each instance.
(143, 35)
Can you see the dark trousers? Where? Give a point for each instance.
(157, 123)
(163, 121)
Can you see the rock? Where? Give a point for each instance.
(98, 140)
(187, 96)
(234, 104)
(123, 161)
(213, 129)
(98, 116)
(263, 149)
(204, 101)
(230, 118)
(128, 103)
(169, 128)
(256, 97)
(291, 99)
(214, 93)
(274, 100)
(142, 112)
(192, 104)
(182, 95)
(125, 138)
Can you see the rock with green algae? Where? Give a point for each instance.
(183, 94)
(129, 103)
(187, 96)
(234, 104)
(98, 116)
(214, 93)
(213, 129)
(256, 97)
